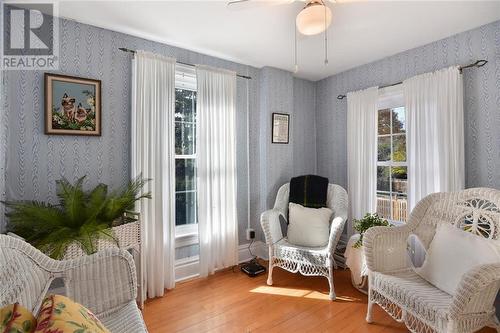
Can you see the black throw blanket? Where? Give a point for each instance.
(309, 191)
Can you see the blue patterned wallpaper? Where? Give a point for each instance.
(3, 147)
(481, 104)
(275, 158)
(35, 160)
(303, 127)
(277, 163)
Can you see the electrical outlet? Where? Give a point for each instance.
(250, 234)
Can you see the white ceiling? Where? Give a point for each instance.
(263, 34)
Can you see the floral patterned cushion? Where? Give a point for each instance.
(60, 314)
(16, 319)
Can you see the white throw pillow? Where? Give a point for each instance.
(452, 253)
(308, 226)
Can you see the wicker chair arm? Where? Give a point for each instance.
(281, 201)
(385, 248)
(270, 222)
(477, 290)
(103, 282)
(336, 229)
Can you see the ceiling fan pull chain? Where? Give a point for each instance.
(326, 37)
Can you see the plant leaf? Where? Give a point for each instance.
(72, 198)
(80, 216)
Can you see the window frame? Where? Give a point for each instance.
(185, 79)
(392, 98)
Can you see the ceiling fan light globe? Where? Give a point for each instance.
(311, 20)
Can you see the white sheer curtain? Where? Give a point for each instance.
(153, 106)
(216, 169)
(435, 119)
(362, 153)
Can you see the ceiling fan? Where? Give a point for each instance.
(314, 18)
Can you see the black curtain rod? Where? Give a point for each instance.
(477, 64)
(182, 63)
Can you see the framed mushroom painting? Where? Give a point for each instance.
(72, 105)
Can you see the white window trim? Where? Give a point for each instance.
(392, 97)
(185, 78)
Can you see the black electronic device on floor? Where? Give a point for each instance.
(253, 268)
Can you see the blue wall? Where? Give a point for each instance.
(35, 160)
(318, 120)
(481, 105)
(3, 145)
(281, 93)
(481, 102)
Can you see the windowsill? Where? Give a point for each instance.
(186, 235)
(186, 240)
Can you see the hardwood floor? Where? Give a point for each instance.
(233, 302)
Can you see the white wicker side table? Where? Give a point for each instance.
(355, 260)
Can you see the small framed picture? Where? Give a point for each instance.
(72, 105)
(281, 128)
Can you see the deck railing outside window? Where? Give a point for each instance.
(399, 208)
(392, 167)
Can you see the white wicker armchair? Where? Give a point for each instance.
(408, 298)
(307, 261)
(104, 282)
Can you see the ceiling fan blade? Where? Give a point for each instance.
(247, 4)
(236, 2)
(269, 2)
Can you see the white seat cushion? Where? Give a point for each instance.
(408, 288)
(308, 226)
(452, 253)
(125, 320)
(286, 250)
(307, 260)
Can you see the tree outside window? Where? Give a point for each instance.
(185, 159)
(392, 168)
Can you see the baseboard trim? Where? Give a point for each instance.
(188, 268)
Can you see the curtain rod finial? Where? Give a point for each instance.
(481, 63)
(124, 49)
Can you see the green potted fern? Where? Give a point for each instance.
(354, 255)
(368, 221)
(81, 217)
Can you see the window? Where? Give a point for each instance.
(392, 167)
(185, 152)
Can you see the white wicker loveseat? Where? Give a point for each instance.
(104, 282)
(307, 261)
(405, 295)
